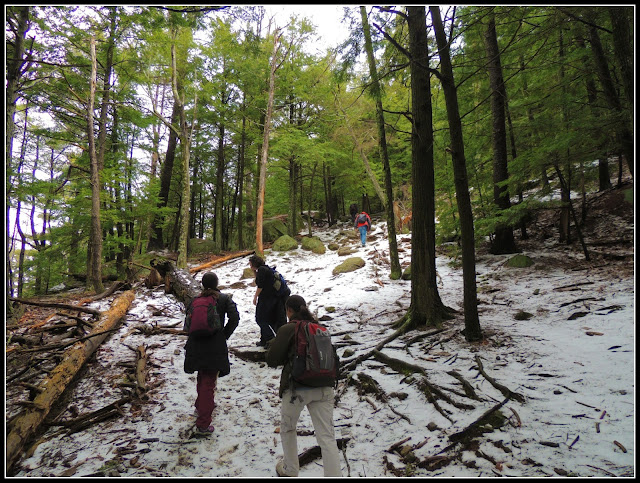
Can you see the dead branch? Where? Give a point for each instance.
(313, 453)
(94, 312)
(141, 368)
(503, 389)
(461, 434)
(219, 260)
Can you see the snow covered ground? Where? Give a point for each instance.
(573, 361)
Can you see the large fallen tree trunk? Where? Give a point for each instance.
(24, 426)
(179, 282)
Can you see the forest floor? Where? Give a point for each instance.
(549, 391)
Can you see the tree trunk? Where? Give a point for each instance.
(217, 219)
(94, 269)
(24, 427)
(503, 241)
(156, 242)
(241, 163)
(624, 135)
(265, 143)
(396, 271)
(426, 306)
(472, 329)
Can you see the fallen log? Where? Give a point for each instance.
(141, 369)
(87, 310)
(25, 425)
(179, 282)
(218, 260)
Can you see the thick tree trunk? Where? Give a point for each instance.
(179, 282)
(24, 427)
(503, 241)
(426, 306)
(472, 329)
(396, 271)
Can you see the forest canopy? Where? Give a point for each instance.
(133, 129)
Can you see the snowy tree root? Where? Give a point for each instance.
(368, 385)
(82, 422)
(404, 367)
(24, 426)
(503, 389)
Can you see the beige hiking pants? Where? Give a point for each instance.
(319, 402)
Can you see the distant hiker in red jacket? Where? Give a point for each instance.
(363, 224)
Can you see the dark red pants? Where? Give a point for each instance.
(206, 388)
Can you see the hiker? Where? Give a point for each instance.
(270, 312)
(295, 396)
(208, 354)
(353, 211)
(363, 225)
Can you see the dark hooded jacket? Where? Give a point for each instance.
(211, 353)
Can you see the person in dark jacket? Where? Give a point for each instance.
(209, 356)
(270, 313)
(295, 397)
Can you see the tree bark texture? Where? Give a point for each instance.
(59, 378)
(426, 306)
(472, 329)
(503, 241)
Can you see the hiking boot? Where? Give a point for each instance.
(203, 431)
(280, 469)
(261, 343)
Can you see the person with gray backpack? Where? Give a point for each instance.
(206, 350)
(308, 379)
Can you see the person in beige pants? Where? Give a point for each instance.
(295, 397)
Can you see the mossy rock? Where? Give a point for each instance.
(519, 261)
(248, 273)
(522, 315)
(272, 229)
(344, 251)
(314, 244)
(333, 246)
(349, 265)
(406, 275)
(284, 244)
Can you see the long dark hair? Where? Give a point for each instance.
(299, 307)
(256, 261)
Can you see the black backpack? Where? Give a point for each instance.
(315, 361)
(205, 320)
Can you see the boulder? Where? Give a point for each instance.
(314, 244)
(284, 244)
(272, 229)
(349, 265)
(519, 261)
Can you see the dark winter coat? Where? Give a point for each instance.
(211, 353)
